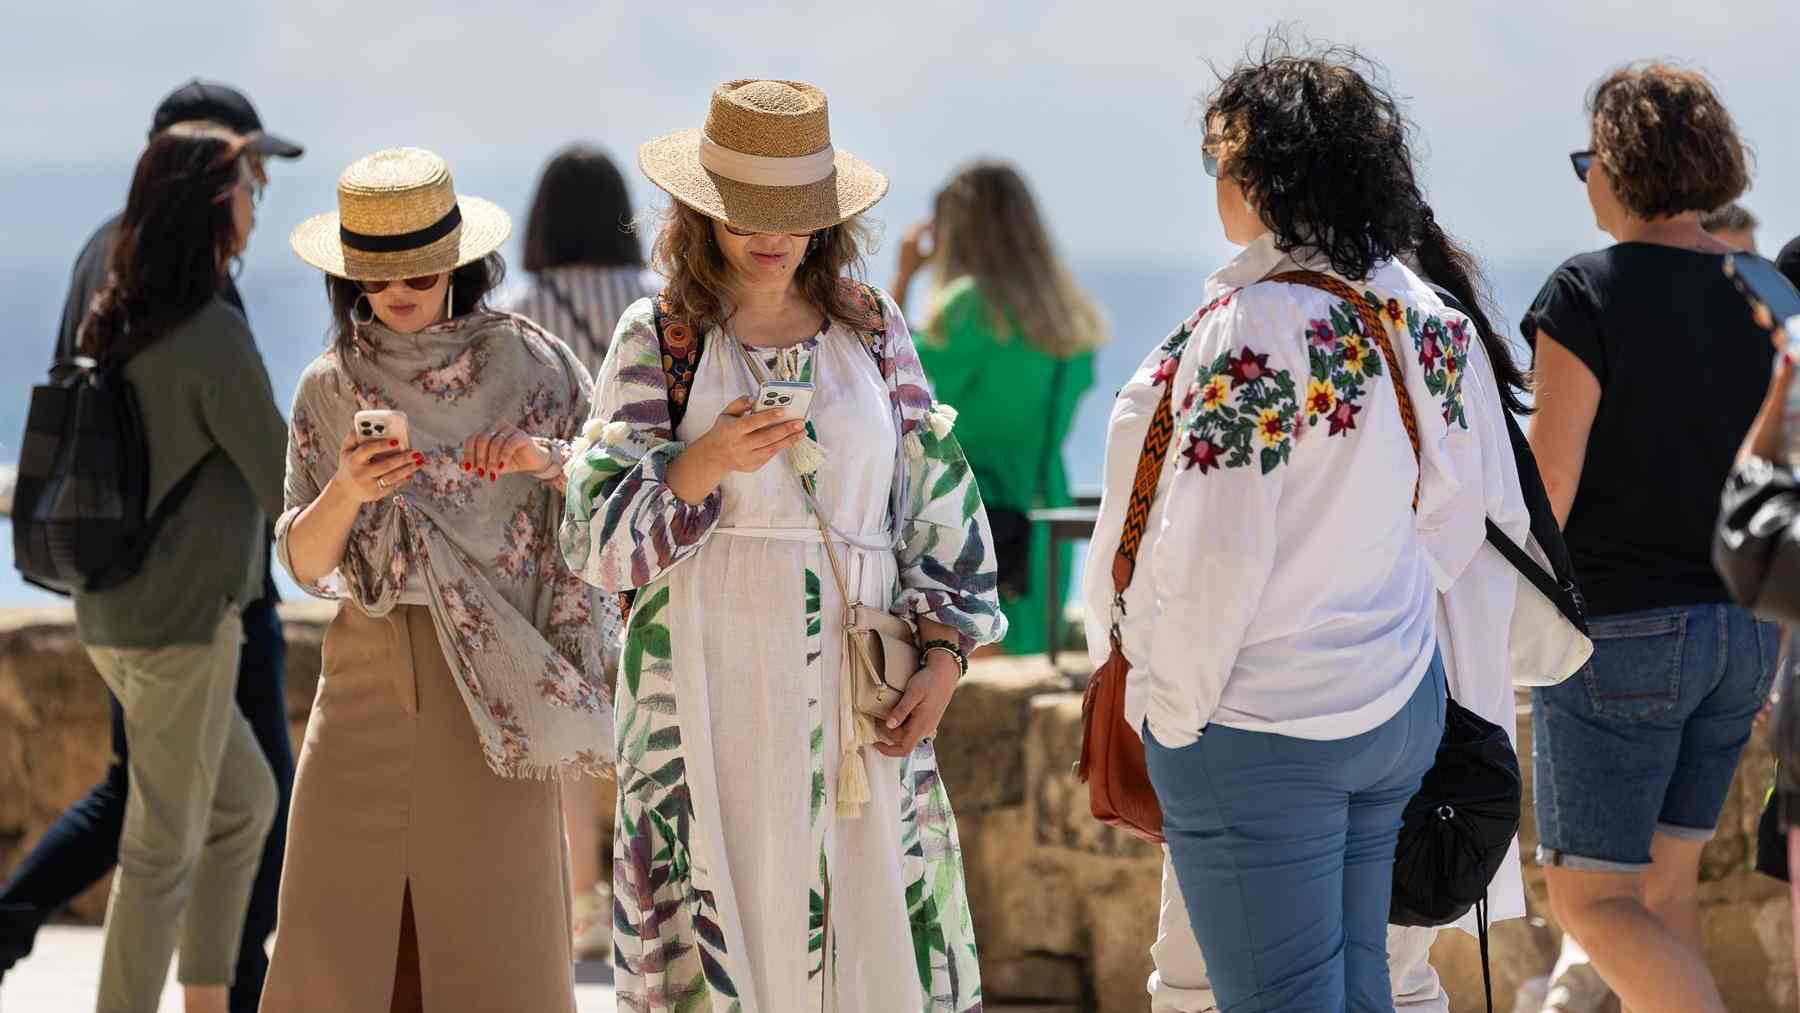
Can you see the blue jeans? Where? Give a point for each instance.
(1645, 738)
(83, 844)
(1284, 849)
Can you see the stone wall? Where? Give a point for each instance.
(1065, 909)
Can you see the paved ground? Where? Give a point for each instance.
(63, 970)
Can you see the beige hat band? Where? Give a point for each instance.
(767, 170)
(365, 242)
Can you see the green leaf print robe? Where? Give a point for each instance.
(737, 886)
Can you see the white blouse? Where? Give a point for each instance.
(1285, 583)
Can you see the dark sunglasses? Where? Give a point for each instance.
(1582, 161)
(1209, 161)
(423, 283)
(746, 233)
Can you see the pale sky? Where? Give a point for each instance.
(1095, 100)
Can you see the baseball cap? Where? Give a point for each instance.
(223, 104)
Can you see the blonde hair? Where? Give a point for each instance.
(988, 229)
(699, 288)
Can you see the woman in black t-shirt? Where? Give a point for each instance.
(1649, 372)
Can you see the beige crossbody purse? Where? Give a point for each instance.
(881, 652)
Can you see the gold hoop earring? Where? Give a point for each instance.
(361, 301)
(450, 297)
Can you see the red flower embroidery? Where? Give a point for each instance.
(1393, 310)
(1429, 351)
(1344, 418)
(1248, 367)
(1201, 453)
(1187, 401)
(1320, 334)
(1459, 334)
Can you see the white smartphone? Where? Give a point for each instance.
(793, 397)
(382, 425)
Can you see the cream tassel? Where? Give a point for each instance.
(856, 731)
(806, 456)
(915, 447)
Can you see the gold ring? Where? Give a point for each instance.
(381, 483)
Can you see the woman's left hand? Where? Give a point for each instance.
(916, 716)
(503, 448)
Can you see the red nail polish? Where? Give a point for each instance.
(495, 477)
(498, 467)
(393, 443)
(481, 472)
(418, 458)
(468, 467)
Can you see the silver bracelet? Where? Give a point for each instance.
(557, 451)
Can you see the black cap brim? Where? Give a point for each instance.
(278, 147)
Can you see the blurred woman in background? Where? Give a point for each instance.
(1009, 342)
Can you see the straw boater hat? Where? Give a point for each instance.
(764, 161)
(398, 217)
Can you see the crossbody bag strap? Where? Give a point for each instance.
(1377, 331)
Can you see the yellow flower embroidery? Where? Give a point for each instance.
(1321, 397)
(1215, 393)
(1354, 353)
(1271, 429)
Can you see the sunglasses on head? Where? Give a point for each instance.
(1582, 161)
(423, 283)
(746, 233)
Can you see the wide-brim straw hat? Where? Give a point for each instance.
(399, 216)
(764, 161)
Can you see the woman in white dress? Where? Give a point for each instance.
(774, 851)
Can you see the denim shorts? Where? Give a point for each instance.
(1645, 738)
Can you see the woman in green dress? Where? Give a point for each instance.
(1009, 340)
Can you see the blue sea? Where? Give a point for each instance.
(287, 310)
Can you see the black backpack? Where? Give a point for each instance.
(81, 519)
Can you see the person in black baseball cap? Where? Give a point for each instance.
(83, 844)
(224, 105)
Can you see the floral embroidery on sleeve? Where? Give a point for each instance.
(1443, 346)
(1238, 411)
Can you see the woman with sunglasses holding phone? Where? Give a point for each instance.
(775, 849)
(1649, 372)
(462, 676)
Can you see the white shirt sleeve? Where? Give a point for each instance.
(1237, 406)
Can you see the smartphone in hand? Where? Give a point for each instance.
(382, 425)
(1773, 299)
(792, 397)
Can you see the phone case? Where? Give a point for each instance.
(377, 425)
(793, 396)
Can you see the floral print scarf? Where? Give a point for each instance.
(519, 630)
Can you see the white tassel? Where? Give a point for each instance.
(806, 456)
(616, 433)
(941, 418)
(915, 447)
(856, 731)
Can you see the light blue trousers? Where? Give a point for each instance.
(1284, 849)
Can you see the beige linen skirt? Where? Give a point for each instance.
(391, 799)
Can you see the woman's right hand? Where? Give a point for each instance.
(373, 469)
(743, 440)
(739, 440)
(916, 247)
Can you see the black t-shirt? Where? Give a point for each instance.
(1682, 370)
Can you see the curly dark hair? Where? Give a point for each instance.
(1321, 148)
(1666, 140)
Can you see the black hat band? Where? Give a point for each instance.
(364, 242)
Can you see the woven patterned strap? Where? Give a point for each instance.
(1371, 321)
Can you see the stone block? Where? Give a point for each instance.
(1023, 899)
(1033, 981)
(1519, 950)
(1058, 801)
(978, 740)
(1123, 898)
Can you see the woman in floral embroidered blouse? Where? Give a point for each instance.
(768, 856)
(462, 677)
(1281, 626)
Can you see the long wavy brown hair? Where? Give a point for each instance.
(175, 242)
(987, 228)
(699, 288)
